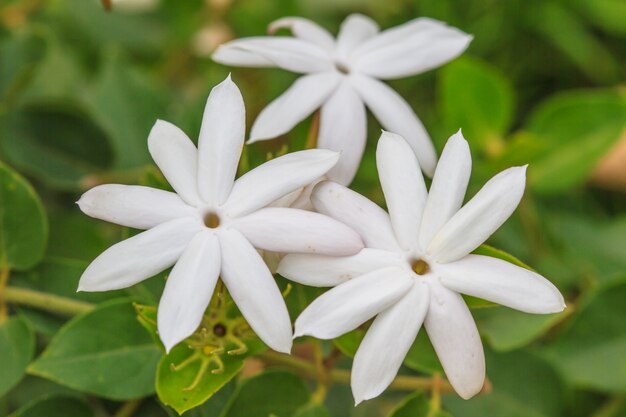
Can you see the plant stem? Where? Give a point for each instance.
(128, 408)
(311, 139)
(47, 302)
(4, 279)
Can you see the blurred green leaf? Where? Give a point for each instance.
(312, 410)
(591, 351)
(57, 406)
(417, 405)
(270, 393)
(578, 128)
(214, 405)
(17, 347)
(609, 15)
(348, 343)
(103, 352)
(19, 55)
(23, 222)
(422, 357)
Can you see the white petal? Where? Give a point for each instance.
(343, 128)
(361, 214)
(396, 116)
(306, 30)
(133, 205)
(329, 271)
(403, 186)
(453, 333)
(177, 158)
(285, 52)
(189, 289)
(448, 188)
(291, 230)
(415, 47)
(139, 257)
(220, 142)
(354, 30)
(503, 283)
(278, 177)
(480, 217)
(254, 291)
(352, 303)
(305, 95)
(387, 342)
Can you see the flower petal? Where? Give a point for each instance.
(387, 342)
(291, 230)
(454, 335)
(177, 158)
(417, 46)
(306, 30)
(254, 291)
(352, 303)
(189, 289)
(133, 205)
(278, 177)
(480, 217)
(396, 116)
(329, 271)
(403, 186)
(305, 95)
(354, 30)
(284, 52)
(139, 257)
(343, 125)
(220, 142)
(503, 283)
(356, 211)
(448, 188)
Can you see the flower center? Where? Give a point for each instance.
(211, 220)
(420, 267)
(342, 68)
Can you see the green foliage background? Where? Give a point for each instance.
(542, 83)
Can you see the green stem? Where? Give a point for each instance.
(47, 302)
(4, 279)
(128, 408)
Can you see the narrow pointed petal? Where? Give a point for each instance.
(288, 53)
(387, 342)
(480, 217)
(448, 188)
(289, 230)
(354, 30)
(189, 289)
(177, 158)
(306, 30)
(278, 177)
(396, 116)
(220, 142)
(139, 257)
(403, 186)
(356, 211)
(453, 334)
(503, 283)
(305, 95)
(133, 205)
(254, 291)
(415, 47)
(330, 271)
(343, 128)
(352, 303)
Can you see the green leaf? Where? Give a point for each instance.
(348, 343)
(609, 15)
(422, 357)
(479, 100)
(417, 405)
(56, 406)
(104, 352)
(312, 410)
(487, 250)
(19, 54)
(578, 128)
(270, 393)
(17, 347)
(23, 222)
(591, 351)
(214, 405)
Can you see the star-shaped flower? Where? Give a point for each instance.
(415, 264)
(341, 77)
(211, 226)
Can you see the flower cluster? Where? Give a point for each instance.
(406, 268)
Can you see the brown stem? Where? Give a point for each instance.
(314, 130)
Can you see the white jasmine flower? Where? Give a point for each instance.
(416, 262)
(212, 224)
(341, 77)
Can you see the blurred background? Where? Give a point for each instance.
(543, 83)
